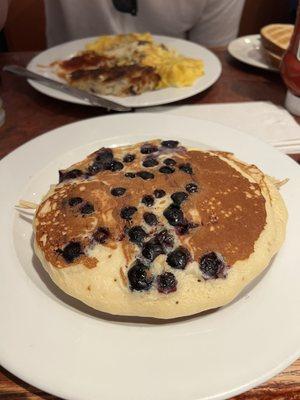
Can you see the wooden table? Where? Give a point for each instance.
(29, 114)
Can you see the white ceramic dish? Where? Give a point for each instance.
(212, 67)
(248, 49)
(65, 348)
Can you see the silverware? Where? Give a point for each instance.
(81, 94)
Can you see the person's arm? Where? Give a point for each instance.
(3, 12)
(218, 24)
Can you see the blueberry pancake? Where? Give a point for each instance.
(158, 230)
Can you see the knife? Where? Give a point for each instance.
(81, 94)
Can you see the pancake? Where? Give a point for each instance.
(158, 230)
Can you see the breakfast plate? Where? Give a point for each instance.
(65, 348)
(248, 49)
(212, 68)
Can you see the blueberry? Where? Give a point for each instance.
(191, 188)
(150, 162)
(104, 155)
(174, 215)
(186, 168)
(104, 160)
(128, 158)
(118, 191)
(165, 239)
(139, 277)
(166, 283)
(74, 201)
(150, 219)
(179, 197)
(148, 148)
(151, 250)
(145, 175)
(101, 235)
(95, 168)
(171, 144)
(87, 208)
(169, 161)
(166, 170)
(148, 200)
(185, 227)
(130, 175)
(178, 258)
(74, 173)
(72, 251)
(113, 166)
(159, 193)
(137, 234)
(182, 229)
(212, 266)
(127, 212)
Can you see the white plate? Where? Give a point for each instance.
(248, 49)
(212, 67)
(65, 348)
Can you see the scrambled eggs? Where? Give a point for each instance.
(174, 69)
